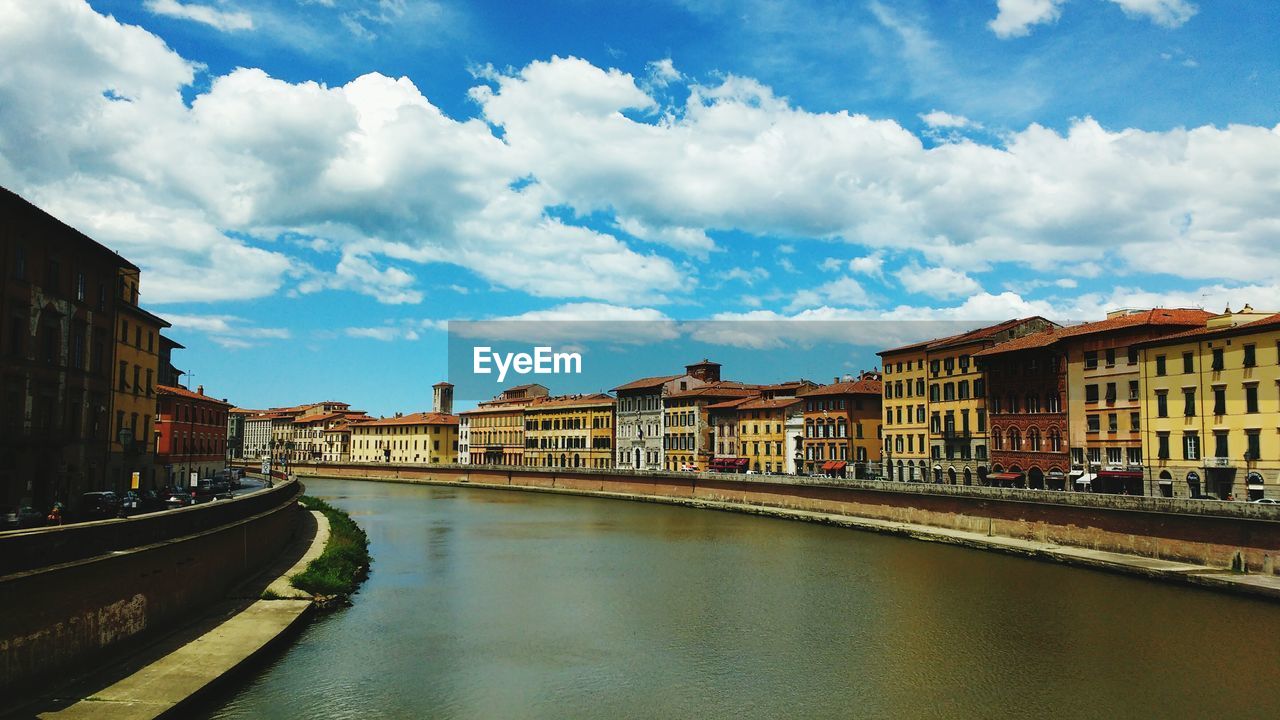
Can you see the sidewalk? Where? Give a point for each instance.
(162, 678)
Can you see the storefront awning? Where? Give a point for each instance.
(1120, 474)
(827, 465)
(1004, 476)
(1055, 475)
(836, 465)
(1083, 479)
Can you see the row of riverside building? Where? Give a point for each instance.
(1165, 402)
(88, 392)
(1168, 402)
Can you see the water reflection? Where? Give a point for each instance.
(493, 604)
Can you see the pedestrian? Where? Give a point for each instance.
(55, 514)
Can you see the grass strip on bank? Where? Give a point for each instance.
(344, 564)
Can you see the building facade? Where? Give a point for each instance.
(257, 435)
(905, 451)
(1104, 397)
(1026, 384)
(762, 437)
(191, 435)
(641, 414)
(570, 431)
(416, 439)
(841, 428)
(686, 428)
(495, 428)
(136, 363)
(1211, 409)
(58, 305)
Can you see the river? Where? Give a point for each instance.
(507, 604)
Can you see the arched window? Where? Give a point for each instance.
(1033, 439)
(1015, 439)
(997, 438)
(1055, 440)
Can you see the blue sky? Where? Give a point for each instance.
(314, 187)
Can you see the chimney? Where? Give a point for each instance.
(442, 398)
(199, 389)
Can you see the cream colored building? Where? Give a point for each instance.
(495, 429)
(1211, 408)
(416, 439)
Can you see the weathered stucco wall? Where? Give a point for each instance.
(57, 619)
(1197, 531)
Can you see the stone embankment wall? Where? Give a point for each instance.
(128, 578)
(1204, 532)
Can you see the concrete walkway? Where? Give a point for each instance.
(165, 677)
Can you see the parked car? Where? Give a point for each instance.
(20, 518)
(175, 498)
(1266, 501)
(99, 505)
(141, 501)
(211, 489)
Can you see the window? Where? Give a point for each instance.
(1134, 455)
(1189, 402)
(1250, 355)
(933, 367)
(1162, 451)
(1217, 359)
(124, 369)
(1091, 393)
(1135, 422)
(1188, 363)
(982, 421)
(1113, 456)
(1091, 360)
(1160, 368)
(1162, 403)
(934, 393)
(20, 263)
(964, 362)
(1220, 445)
(1094, 423)
(80, 287)
(1133, 389)
(1133, 356)
(1111, 392)
(1254, 439)
(1111, 357)
(1219, 401)
(1190, 446)
(1113, 422)
(1251, 398)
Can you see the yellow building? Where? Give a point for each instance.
(133, 396)
(1210, 408)
(1104, 401)
(570, 431)
(935, 418)
(495, 429)
(906, 424)
(762, 436)
(416, 439)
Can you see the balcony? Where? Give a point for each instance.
(954, 435)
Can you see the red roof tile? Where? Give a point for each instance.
(183, 392)
(422, 418)
(850, 387)
(648, 382)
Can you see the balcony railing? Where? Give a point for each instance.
(954, 434)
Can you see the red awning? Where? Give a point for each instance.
(1004, 476)
(837, 465)
(828, 464)
(1120, 474)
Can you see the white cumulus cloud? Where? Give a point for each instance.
(208, 15)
